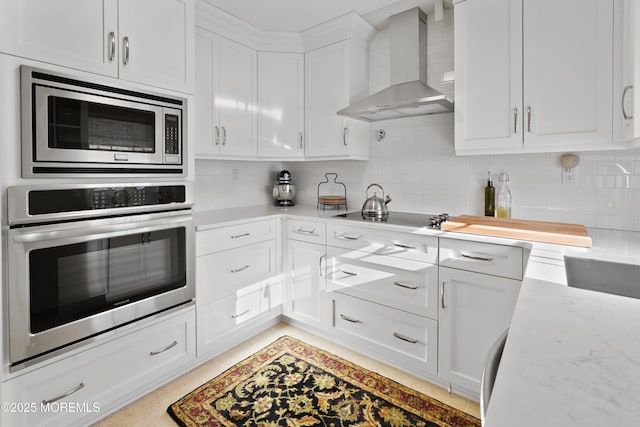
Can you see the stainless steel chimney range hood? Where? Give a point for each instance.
(409, 94)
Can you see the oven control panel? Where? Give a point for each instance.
(86, 199)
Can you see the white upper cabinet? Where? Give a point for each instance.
(280, 105)
(626, 96)
(335, 75)
(533, 75)
(159, 35)
(144, 41)
(225, 101)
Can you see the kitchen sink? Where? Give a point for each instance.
(611, 277)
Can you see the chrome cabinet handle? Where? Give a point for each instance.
(346, 237)
(400, 245)
(478, 257)
(240, 269)
(348, 273)
(125, 48)
(62, 396)
(529, 119)
(349, 319)
(235, 316)
(320, 264)
(404, 338)
(345, 132)
(405, 285)
(170, 346)
(624, 95)
(301, 140)
(301, 230)
(442, 295)
(217, 135)
(224, 136)
(112, 46)
(515, 120)
(237, 236)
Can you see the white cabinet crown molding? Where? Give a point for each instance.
(350, 26)
(226, 25)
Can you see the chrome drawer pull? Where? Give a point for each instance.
(400, 245)
(170, 346)
(62, 396)
(217, 135)
(479, 257)
(237, 236)
(311, 232)
(348, 273)
(624, 111)
(235, 316)
(125, 46)
(349, 319)
(346, 237)
(442, 295)
(112, 46)
(404, 338)
(240, 269)
(405, 285)
(320, 265)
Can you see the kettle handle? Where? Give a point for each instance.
(376, 185)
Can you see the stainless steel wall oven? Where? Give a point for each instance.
(85, 259)
(75, 127)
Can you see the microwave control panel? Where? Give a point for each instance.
(171, 134)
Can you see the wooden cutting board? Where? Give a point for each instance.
(537, 231)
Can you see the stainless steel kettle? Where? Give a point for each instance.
(375, 207)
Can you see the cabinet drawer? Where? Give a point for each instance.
(222, 272)
(396, 282)
(396, 244)
(307, 231)
(104, 373)
(226, 315)
(219, 239)
(401, 334)
(488, 258)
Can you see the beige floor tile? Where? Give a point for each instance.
(150, 410)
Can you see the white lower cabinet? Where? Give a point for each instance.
(238, 284)
(81, 388)
(474, 310)
(306, 283)
(404, 339)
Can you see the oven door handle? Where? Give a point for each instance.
(95, 231)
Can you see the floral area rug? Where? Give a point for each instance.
(293, 384)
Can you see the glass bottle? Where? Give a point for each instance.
(503, 198)
(489, 198)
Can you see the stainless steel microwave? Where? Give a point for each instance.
(74, 127)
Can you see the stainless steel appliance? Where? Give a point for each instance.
(284, 192)
(400, 218)
(84, 259)
(73, 127)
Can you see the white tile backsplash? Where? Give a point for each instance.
(417, 166)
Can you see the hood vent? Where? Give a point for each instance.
(408, 94)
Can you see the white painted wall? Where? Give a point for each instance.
(416, 164)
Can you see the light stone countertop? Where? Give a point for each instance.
(572, 357)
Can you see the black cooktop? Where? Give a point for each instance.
(400, 218)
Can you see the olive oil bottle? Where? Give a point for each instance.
(489, 198)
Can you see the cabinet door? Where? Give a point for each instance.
(305, 295)
(236, 99)
(160, 36)
(488, 64)
(474, 310)
(568, 79)
(327, 79)
(64, 32)
(280, 105)
(207, 137)
(626, 124)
